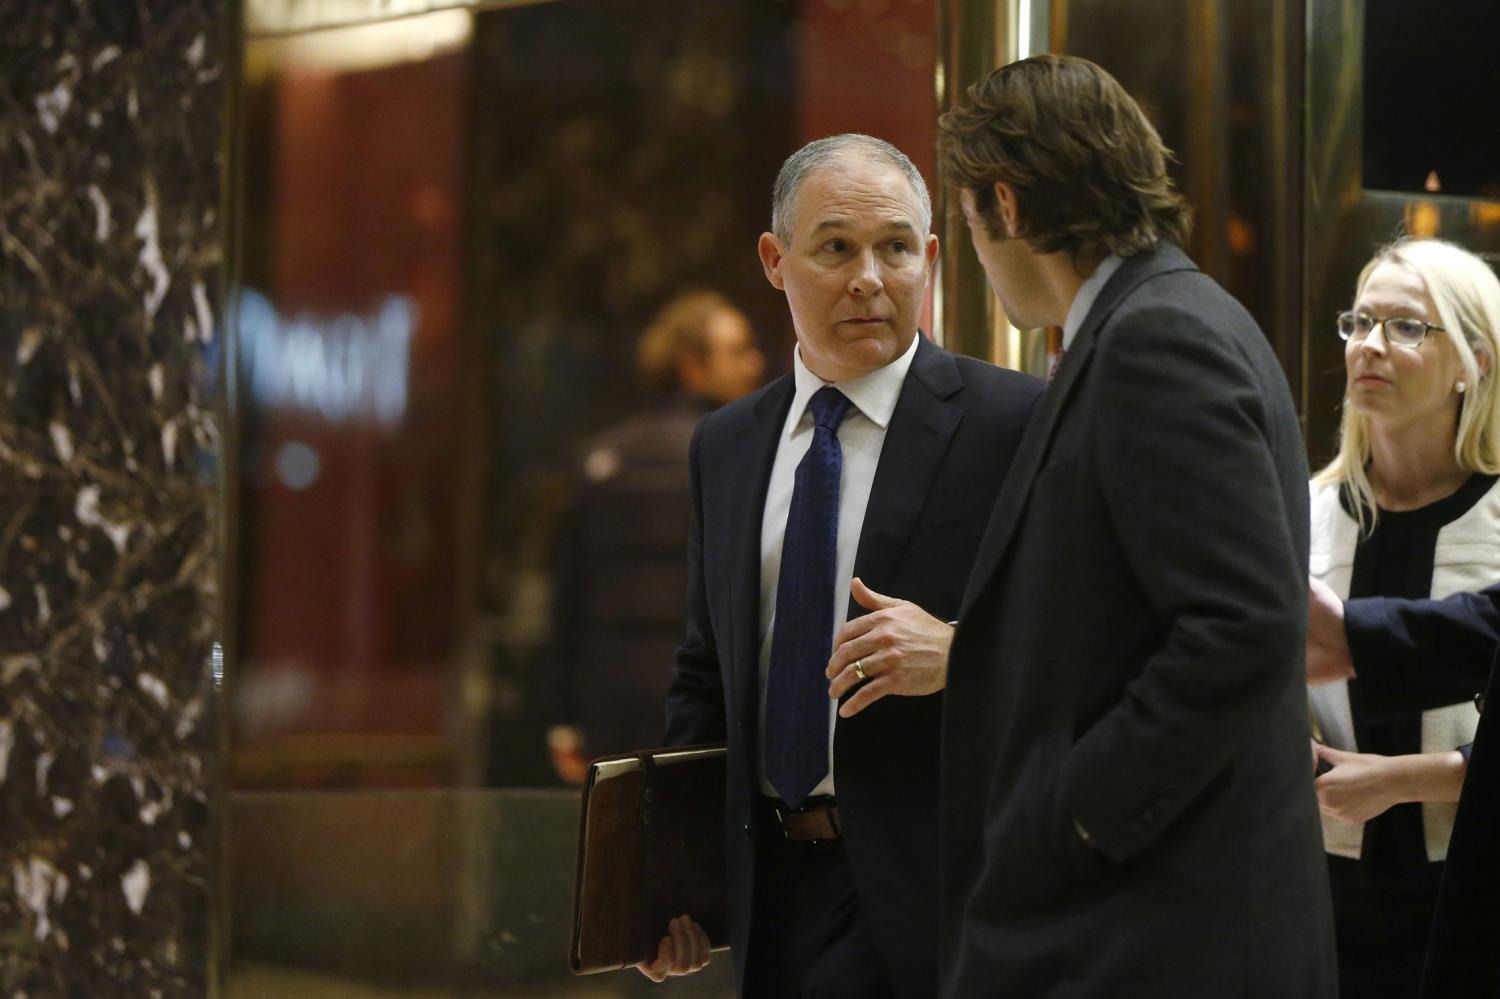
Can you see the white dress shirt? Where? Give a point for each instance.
(1088, 292)
(861, 437)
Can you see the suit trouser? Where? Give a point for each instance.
(807, 936)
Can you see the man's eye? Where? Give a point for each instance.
(835, 246)
(898, 246)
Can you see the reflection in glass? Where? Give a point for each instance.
(455, 226)
(353, 419)
(1430, 89)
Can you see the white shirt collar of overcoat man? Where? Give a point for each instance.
(1088, 293)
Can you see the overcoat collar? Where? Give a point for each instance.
(1029, 458)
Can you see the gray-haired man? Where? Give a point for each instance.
(876, 459)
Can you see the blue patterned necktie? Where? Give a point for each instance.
(795, 748)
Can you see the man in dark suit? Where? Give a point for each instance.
(1127, 802)
(877, 458)
(1411, 654)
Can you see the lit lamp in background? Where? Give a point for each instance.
(1485, 214)
(1423, 217)
(414, 37)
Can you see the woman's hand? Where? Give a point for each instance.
(1363, 785)
(1359, 787)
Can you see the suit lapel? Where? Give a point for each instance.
(749, 505)
(915, 441)
(1034, 447)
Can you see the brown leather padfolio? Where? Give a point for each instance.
(650, 848)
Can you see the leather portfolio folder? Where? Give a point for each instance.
(650, 848)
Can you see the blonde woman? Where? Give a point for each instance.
(1408, 508)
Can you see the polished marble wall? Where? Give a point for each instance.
(110, 253)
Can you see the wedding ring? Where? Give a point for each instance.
(859, 669)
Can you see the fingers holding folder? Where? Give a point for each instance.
(651, 846)
(682, 951)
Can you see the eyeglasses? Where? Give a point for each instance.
(1399, 330)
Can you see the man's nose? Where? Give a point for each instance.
(866, 279)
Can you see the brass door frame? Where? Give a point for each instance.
(974, 37)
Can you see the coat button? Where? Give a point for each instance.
(740, 728)
(747, 830)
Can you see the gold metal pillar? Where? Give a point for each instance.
(973, 38)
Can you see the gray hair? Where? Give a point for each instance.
(825, 152)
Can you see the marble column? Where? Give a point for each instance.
(110, 253)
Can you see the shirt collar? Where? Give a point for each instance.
(873, 394)
(1088, 293)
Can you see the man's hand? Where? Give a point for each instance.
(1328, 657)
(901, 649)
(682, 951)
(1359, 787)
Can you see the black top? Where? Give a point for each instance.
(621, 569)
(1395, 560)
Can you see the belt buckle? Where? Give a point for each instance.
(780, 810)
(824, 810)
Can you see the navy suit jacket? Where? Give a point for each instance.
(1424, 654)
(947, 447)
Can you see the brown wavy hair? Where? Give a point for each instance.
(1088, 169)
(678, 330)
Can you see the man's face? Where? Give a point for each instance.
(1010, 266)
(856, 267)
(731, 364)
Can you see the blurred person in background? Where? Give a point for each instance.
(621, 555)
(1408, 508)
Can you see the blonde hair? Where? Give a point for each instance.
(1466, 293)
(678, 329)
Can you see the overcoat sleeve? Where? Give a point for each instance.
(1421, 653)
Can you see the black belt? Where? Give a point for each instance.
(817, 821)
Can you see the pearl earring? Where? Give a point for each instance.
(1461, 387)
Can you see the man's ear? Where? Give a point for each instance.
(1009, 208)
(771, 255)
(930, 251)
